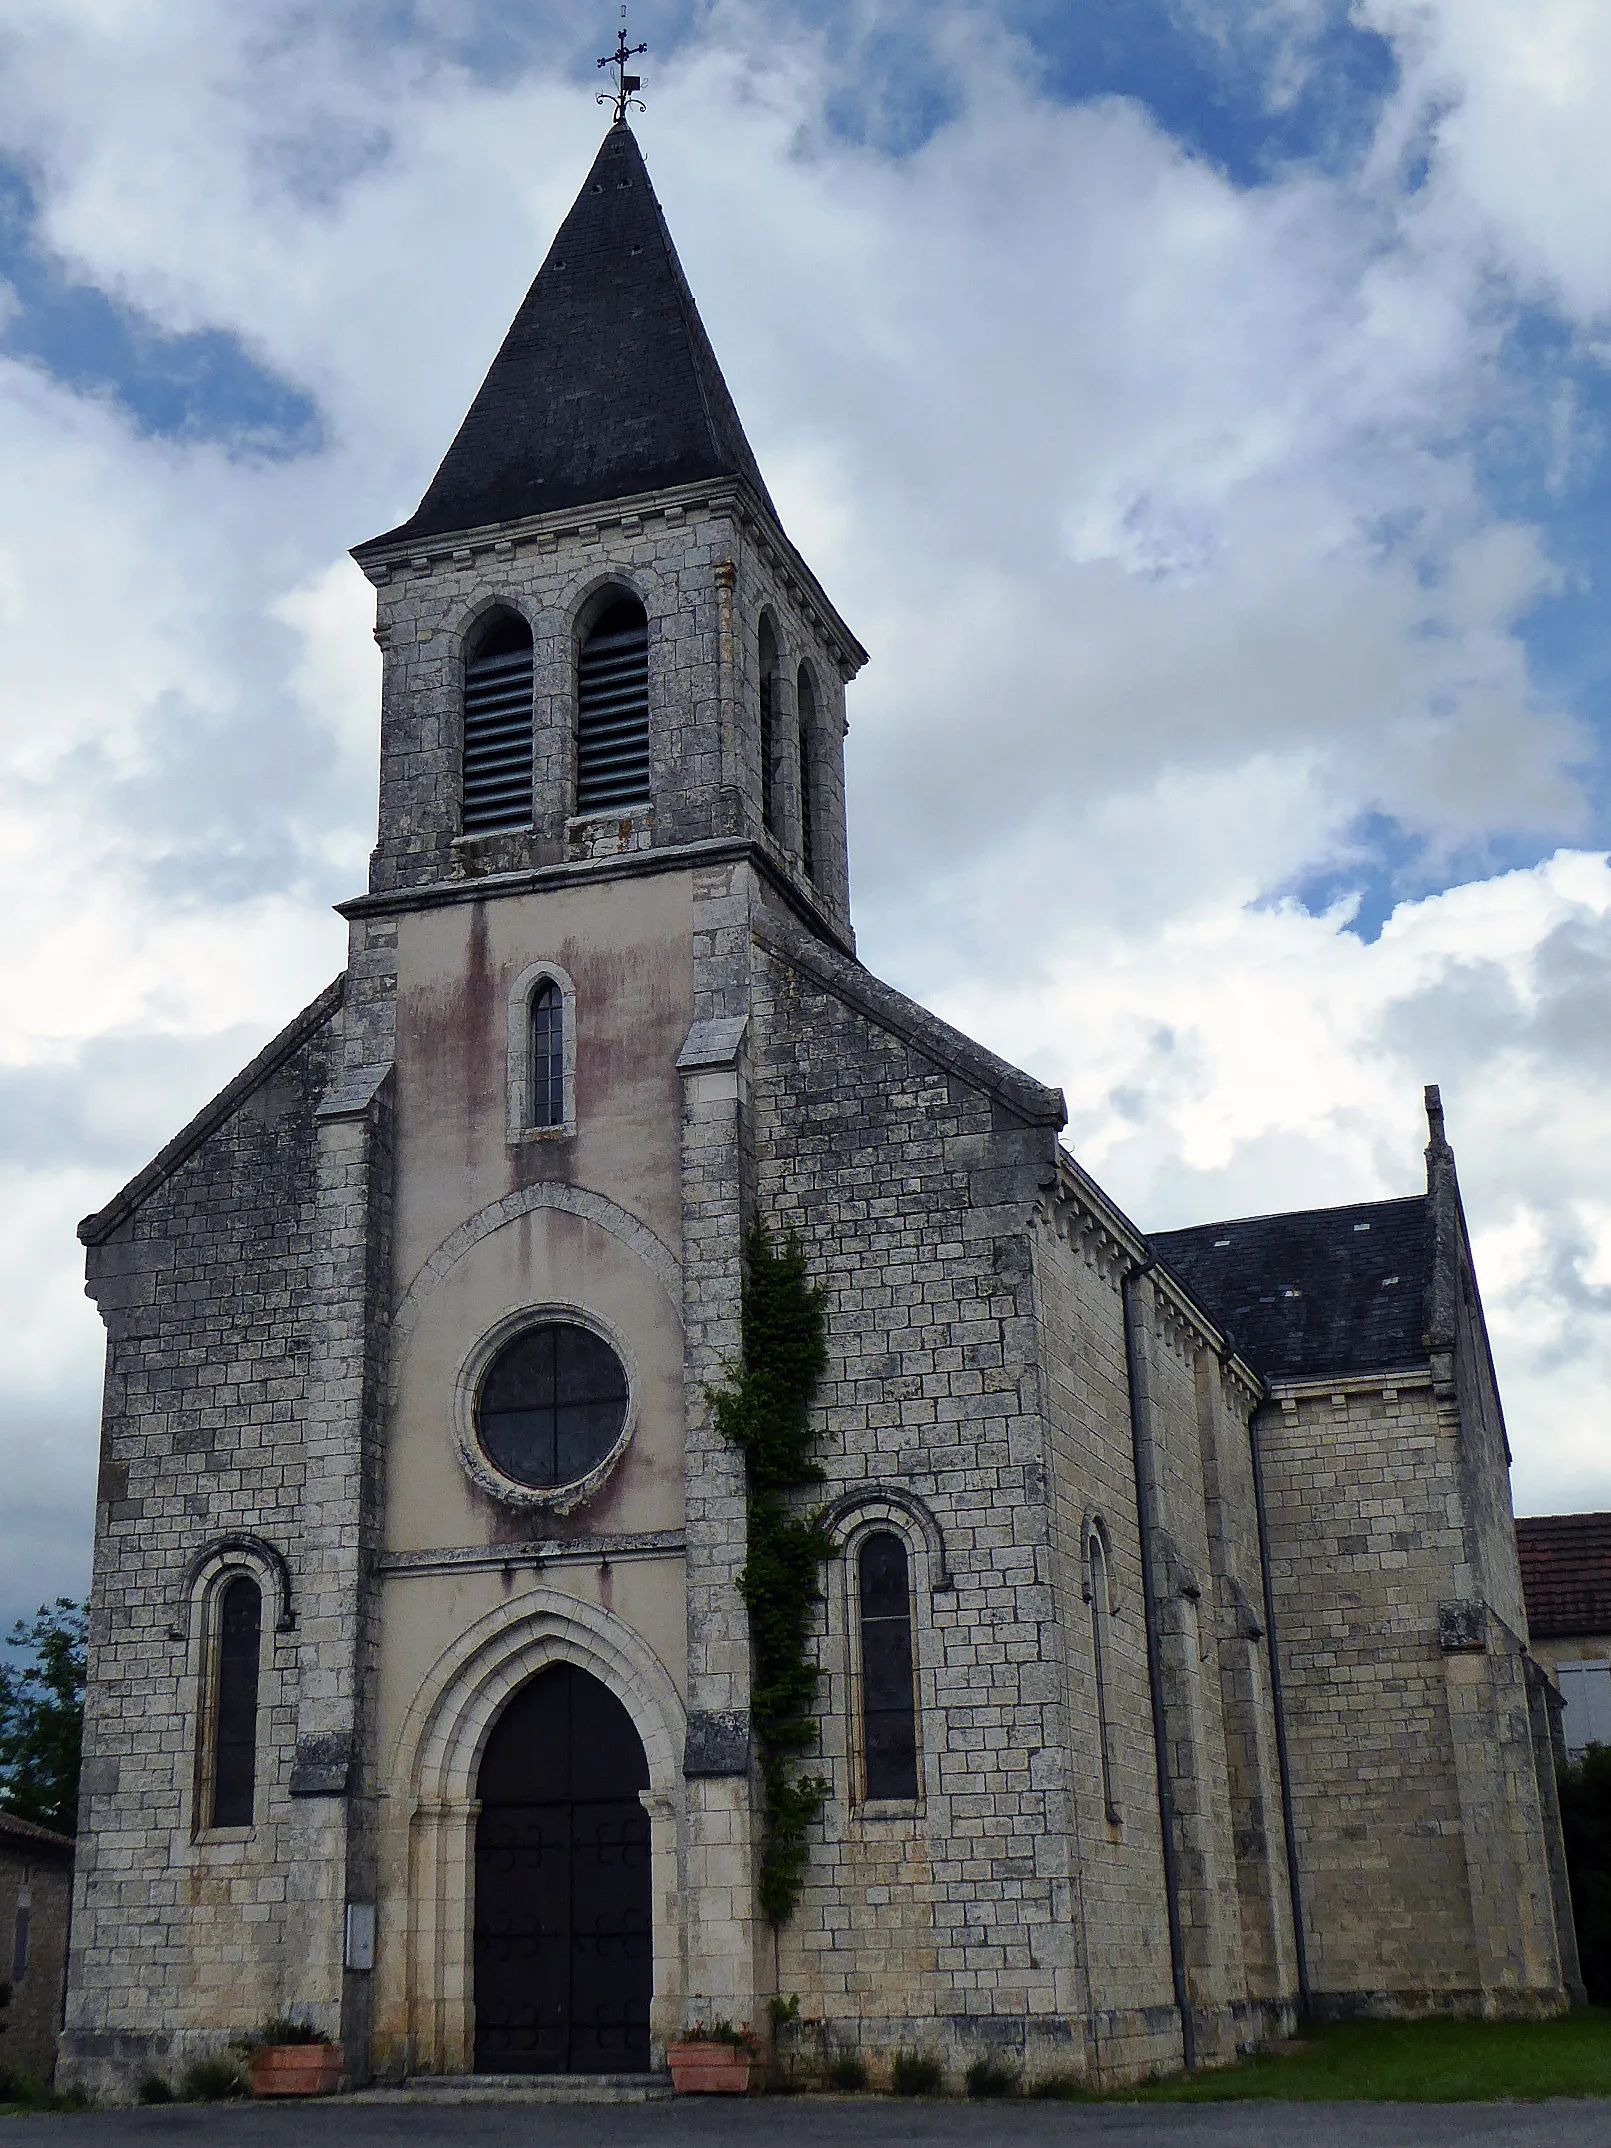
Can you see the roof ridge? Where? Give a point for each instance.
(950, 1048)
(1289, 1215)
(96, 1228)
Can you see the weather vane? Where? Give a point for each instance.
(623, 98)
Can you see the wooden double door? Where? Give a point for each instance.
(563, 1943)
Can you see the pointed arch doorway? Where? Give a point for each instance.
(564, 1968)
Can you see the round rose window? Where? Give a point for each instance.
(551, 1404)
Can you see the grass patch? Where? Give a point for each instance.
(21, 2092)
(913, 2073)
(212, 2080)
(1412, 2062)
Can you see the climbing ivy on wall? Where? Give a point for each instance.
(766, 1413)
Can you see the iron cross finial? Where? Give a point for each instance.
(622, 98)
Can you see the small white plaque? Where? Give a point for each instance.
(360, 1935)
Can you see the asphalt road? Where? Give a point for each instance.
(830, 2122)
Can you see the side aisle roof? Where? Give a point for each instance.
(1322, 1290)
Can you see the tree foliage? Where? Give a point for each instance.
(766, 1413)
(42, 1717)
(1585, 1788)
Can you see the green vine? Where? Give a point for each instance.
(766, 1413)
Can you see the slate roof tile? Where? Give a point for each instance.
(1322, 1290)
(606, 384)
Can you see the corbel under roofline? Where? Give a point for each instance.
(1076, 1185)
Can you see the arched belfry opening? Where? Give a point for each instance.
(767, 665)
(497, 724)
(612, 709)
(564, 1968)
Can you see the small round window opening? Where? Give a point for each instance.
(551, 1405)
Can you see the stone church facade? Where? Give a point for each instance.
(1175, 1666)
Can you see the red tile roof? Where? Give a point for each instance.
(1566, 1573)
(25, 1835)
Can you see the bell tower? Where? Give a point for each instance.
(612, 730)
(599, 643)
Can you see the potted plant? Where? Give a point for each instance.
(291, 2058)
(714, 2061)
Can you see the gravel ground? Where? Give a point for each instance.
(829, 2122)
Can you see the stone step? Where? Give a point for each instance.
(523, 2088)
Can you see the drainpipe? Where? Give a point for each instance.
(1278, 1710)
(1149, 1614)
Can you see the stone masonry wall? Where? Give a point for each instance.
(1132, 2024)
(950, 1926)
(1422, 1827)
(1225, 1405)
(36, 1892)
(183, 1937)
(1366, 1536)
(1225, 1790)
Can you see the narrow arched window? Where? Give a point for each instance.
(1097, 1590)
(888, 1695)
(547, 1056)
(497, 725)
(768, 651)
(234, 1703)
(806, 706)
(612, 710)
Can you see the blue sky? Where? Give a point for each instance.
(1206, 405)
(1255, 93)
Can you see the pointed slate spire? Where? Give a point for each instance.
(606, 384)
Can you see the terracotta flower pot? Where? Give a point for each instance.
(705, 2069)
(296, 2069)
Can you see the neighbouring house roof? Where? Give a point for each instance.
(606, 385)
(1566, 1573)
(30, 1840)
(1321, 1291)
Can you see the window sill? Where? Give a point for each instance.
(206, 1837)
(523, 1136)
(890, 1808)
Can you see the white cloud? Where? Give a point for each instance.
(1153, 498)
(1232, 1062)
(1511, 102)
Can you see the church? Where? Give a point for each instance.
(1172, 1670)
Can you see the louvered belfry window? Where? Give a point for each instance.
(497, 726)
(612, 711)
(805, 702)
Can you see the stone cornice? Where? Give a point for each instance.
(631, 864)
(544, 1551)
(382, 556)
(1325, 1385)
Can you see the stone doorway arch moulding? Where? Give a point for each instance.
(429, 1983)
